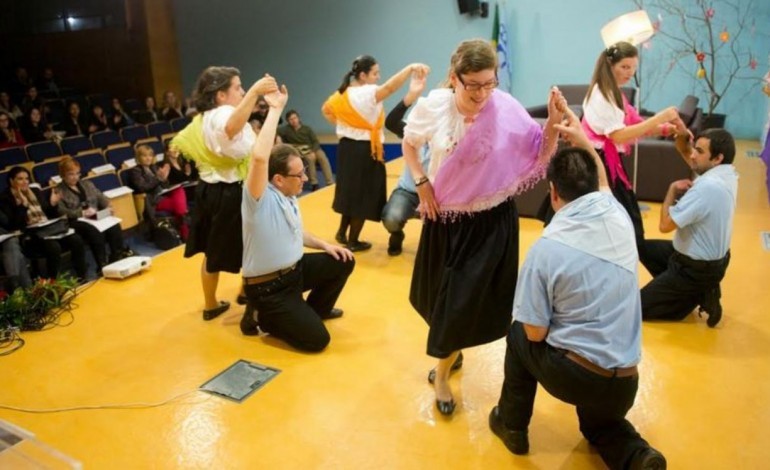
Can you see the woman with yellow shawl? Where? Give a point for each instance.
(356, 109)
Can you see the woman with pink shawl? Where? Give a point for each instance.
(484, 149)
(612, 125)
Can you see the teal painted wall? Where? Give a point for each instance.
(310, 44)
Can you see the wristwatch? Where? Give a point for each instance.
(420, 180)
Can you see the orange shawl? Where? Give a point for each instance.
(344, 111)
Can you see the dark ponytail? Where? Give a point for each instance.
(362, 64)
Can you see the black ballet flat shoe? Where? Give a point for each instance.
(446, 408)
(341, 238)
(249, 323)
(458, 364)
(212, 313)
(359, 246)
(333, 313)
(242, 299)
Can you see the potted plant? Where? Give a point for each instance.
(34, 307)
(707, 40)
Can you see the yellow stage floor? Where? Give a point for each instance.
(365, 402)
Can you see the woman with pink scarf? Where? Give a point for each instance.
(484, 149)
(612, 125)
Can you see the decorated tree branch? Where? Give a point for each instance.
(707, 40)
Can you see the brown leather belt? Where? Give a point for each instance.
(617, 372)
(269, 276)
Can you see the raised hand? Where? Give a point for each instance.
(557, 104)
(573, 132)
(278, 98)
(419, 69)
(55, 196)
(667, 115)
(265, 85)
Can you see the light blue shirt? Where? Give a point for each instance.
(272, 232)
(704, 215)
(406, 182)
(591, 306)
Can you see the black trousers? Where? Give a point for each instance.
(679, 282)
(602, 402)
(52, 251)
(286, 315)
(97, 240)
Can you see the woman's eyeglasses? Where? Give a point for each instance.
(478, 86)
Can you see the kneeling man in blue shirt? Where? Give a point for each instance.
(687, 271)
(577, 315)
(276, 271)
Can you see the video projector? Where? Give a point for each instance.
(126, 267)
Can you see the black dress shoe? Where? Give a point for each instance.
(242, 299)
(341, 238)
(446, 408)
(359, 246)
(648, 459)
(457, 365)
(249, 324)
(394, 250)
(712, 306)
(333, 313)
(212, 313)
(516, 441)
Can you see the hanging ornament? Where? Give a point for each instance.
(753, 63)
(656, 26)
(701, 73)
(724, 36)
(700, 57)
(709, 13)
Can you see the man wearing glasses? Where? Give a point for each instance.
(276, 272)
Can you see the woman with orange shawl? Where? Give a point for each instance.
(356, 109)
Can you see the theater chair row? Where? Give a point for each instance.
(41, 151)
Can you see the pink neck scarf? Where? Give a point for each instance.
(502, 154)
(611, 153)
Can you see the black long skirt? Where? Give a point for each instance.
(360, 191)
(464, 278)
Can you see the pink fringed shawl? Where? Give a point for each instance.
(611, 152)
(502, 154)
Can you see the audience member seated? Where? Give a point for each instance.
(305, 141)
(73, 123)
(47, 82)
(98, 120)
(120, 117)
(81, 199)
(14, 262)
(20, 82)
(8, 106)
(9, 134)
(34, 127)
(150, 179)
(31, 100)
(191, 109)
(151, 109)
(181, 170)
(23, 206)
(172, 108)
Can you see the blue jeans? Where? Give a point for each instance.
(401, 206)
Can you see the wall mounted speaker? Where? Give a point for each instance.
(468, 6)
